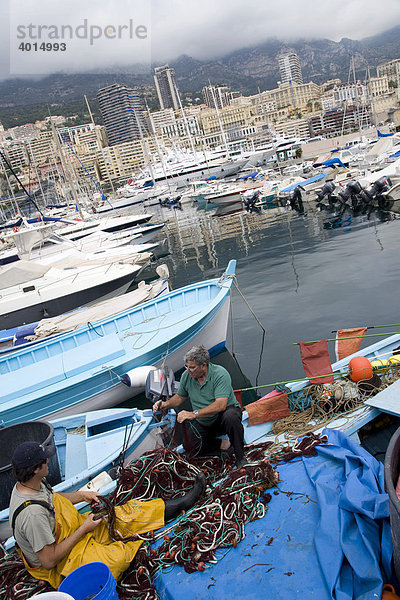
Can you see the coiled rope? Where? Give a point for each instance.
(318, 405)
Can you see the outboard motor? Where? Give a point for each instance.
(177, 202)
(250, 201)
(170, 201)
(350, 196)
(296, 199)
(327, 191)
(381, 185)
(160, 385)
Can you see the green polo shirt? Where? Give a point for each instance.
(217, 384)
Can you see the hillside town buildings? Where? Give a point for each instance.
(130, 136)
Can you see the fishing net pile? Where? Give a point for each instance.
(15, 581)
(199, 537)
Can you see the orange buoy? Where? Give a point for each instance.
(360, 368)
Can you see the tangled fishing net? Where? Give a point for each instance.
(317, 405)
(199, 537)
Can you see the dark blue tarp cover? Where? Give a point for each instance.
(325, 536)
(330, 163)
(146, 185)
(384, 134)
(250, 176)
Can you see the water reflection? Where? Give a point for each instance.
(301, 278)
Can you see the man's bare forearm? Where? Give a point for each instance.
(173, 402)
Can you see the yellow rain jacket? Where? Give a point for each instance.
(132, 517)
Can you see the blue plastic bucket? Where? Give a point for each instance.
(94, 581)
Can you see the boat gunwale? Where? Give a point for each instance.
(51, 340)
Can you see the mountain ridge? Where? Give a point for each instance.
(247, 70)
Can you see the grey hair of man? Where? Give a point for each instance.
(199, 354)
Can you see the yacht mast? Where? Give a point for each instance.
(219, 121)
(16, 208)
(144, 145)
(187, 127)
(160, 156)
(356, 96)
(94, 126)
(66, 171)
(36, 171)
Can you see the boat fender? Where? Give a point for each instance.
(137, 377)
(379, 365)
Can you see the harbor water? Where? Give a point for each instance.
(302, 275)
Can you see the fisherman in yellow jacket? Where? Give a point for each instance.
(54, 539)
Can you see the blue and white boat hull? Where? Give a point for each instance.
(82, 370)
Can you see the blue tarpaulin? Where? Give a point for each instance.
(395, 155)
(209, 178)
(304, 183)
(325, 536)
(331, 162)
(250, 176)
(384, 134)
(352, 539)
(146, 185)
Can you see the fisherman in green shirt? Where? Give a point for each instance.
(215, 408)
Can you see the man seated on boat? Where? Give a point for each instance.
(53, 539)
(215, 408)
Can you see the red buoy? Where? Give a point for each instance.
(360, 368)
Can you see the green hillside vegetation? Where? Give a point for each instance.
(75, 110)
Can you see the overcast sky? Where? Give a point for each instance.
(122, 32)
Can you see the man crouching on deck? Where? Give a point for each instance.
(215, 408)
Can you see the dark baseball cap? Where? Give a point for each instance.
(29, 454)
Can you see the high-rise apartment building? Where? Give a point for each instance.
(289, 66)
(167, 91)
(121, 109)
